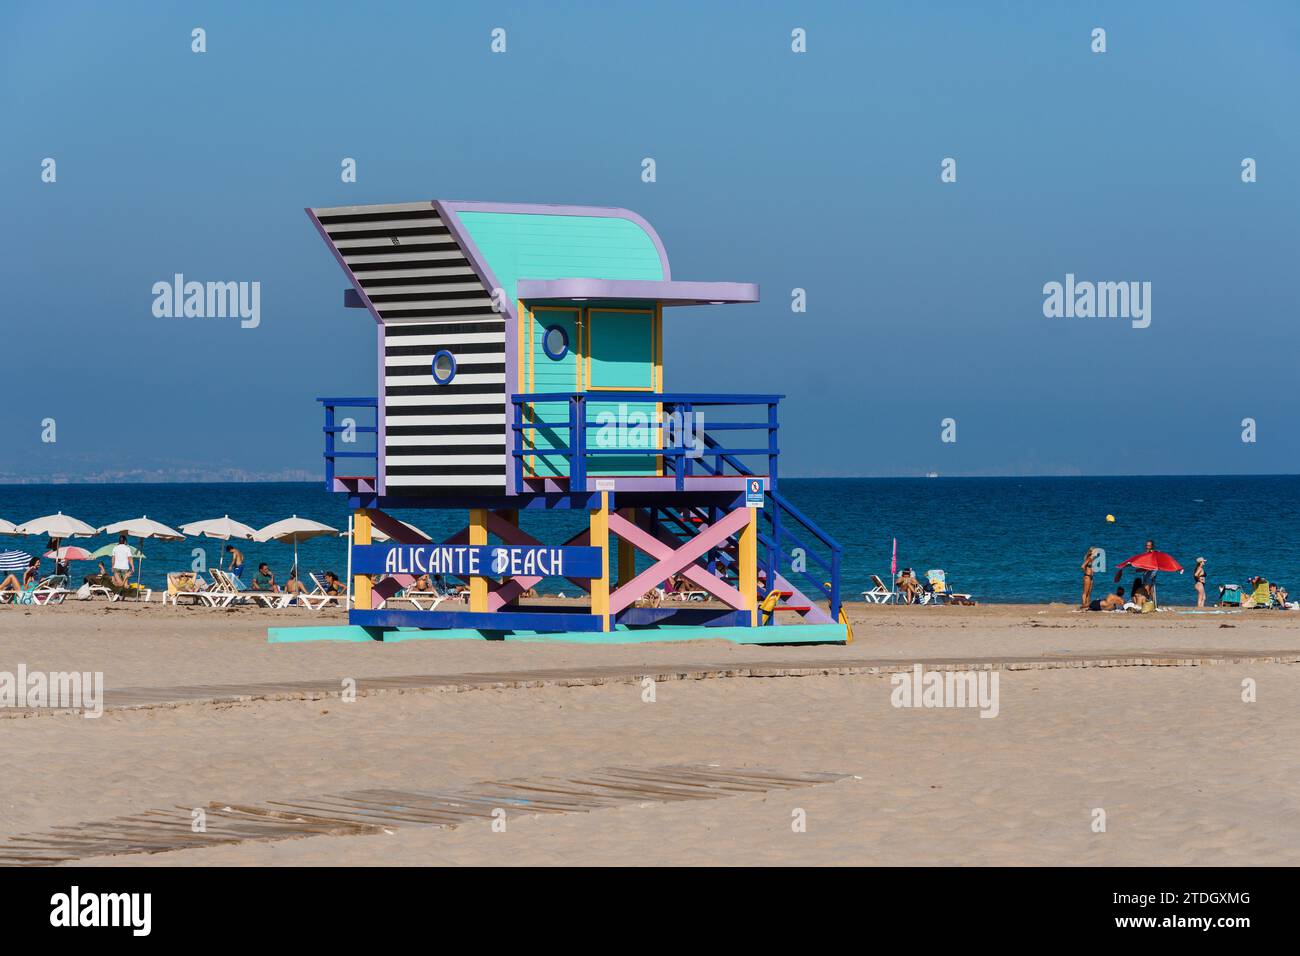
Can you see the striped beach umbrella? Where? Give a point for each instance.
(14, 561)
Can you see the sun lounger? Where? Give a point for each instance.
(188, 584)
(49, 590)
(319, 597)
(418, 599)
(239, 591)
(135, 592)
(939, 588)
(879, 594)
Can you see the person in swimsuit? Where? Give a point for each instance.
(1088, 571)
(1149, 577)
(909, 586)
(1198, 579)
(236, 561)
(333, 585)
(1111, 602)
(11, 583)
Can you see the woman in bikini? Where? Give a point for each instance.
(11, 583)
(1198, 578)
(1088, 571)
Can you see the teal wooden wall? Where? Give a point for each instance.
(542, 246)
(550, 375)
(539, 246)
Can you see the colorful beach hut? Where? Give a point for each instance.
(521, 368)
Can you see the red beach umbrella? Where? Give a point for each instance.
(1152, 561)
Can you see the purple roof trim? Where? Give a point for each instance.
(381, 419)
(669, 293)
(543, 209)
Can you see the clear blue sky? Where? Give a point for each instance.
(818, 170)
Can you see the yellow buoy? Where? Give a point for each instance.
(1110, 518)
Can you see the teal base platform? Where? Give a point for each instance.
(780, 634)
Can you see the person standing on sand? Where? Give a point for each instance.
(236, 560)
(1198, 579)
(1149, 577)
(122, 562)
(1088, 571)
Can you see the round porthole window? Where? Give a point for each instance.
(555, 343)
(444, 367)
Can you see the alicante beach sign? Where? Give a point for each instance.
(466, 560)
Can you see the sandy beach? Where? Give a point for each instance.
(1185, 771)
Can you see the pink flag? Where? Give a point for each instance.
(893, 561)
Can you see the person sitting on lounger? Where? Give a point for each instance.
(333, 585)
(33, 571)
(294, 586)
(909, 586)
(265, 579)
(422, 583)
(1111, 602)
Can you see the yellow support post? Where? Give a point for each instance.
(626, 553)
(478, 535)
(747, 556)
(600, 539)
(362, 598)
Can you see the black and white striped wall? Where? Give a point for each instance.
(438, 439)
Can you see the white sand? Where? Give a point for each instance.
(1186, 772)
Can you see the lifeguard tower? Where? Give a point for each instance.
(521, 368)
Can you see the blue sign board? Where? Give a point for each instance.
(467, 560)
(754, 492)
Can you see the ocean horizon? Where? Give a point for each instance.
(1012, 539)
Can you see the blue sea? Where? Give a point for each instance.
(1002, 539)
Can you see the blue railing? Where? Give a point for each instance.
(687, 447)
(333, 428)
(779, 539)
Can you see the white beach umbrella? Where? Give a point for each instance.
(7, 527)
(294, 529)
(56, 526)
(144, 527)
(141, 528)
(221, 528)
